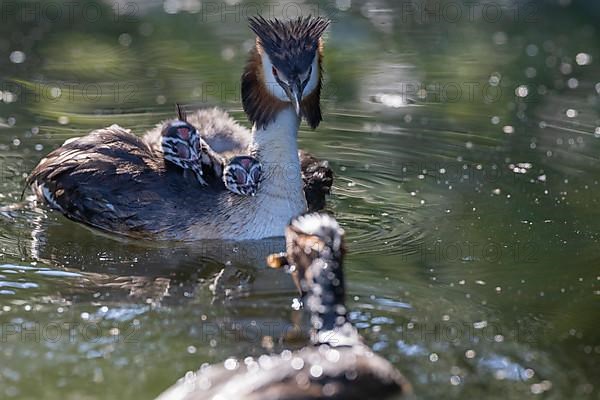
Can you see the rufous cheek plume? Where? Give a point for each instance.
(259, 104)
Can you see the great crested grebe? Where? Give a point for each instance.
(337, 365)
(109, 179)
(228, 138)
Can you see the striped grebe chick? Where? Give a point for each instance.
(181, 144)
(242, 174)
(336, 365)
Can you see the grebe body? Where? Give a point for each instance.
(112, 180)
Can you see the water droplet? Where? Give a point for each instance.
(17, 57)
(566, 68)
(530, 72)
(500, 38)
(494, 79)
(522, 91)
(508, 129)
(125, 39)
(297, 363)
(55, 92)
(531, 50)
(227, 53)
(316, 371)
(480, 324)
(230, 364)
(536, 388)
(583, 59)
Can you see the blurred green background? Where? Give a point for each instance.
(465, 140)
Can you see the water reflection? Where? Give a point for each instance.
(160, 272)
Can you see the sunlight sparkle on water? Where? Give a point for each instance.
(583, 59)
(571, 113)
(17, 57)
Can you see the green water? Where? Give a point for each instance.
(465, 142)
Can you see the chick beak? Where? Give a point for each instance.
(277, 260)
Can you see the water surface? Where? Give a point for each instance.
(466, 157)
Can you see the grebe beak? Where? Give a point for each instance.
(294, 92)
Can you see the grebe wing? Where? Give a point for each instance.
(111, 180)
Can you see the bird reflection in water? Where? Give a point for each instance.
(157, 273)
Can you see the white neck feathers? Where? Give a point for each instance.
(280, 195)
(277, 142)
